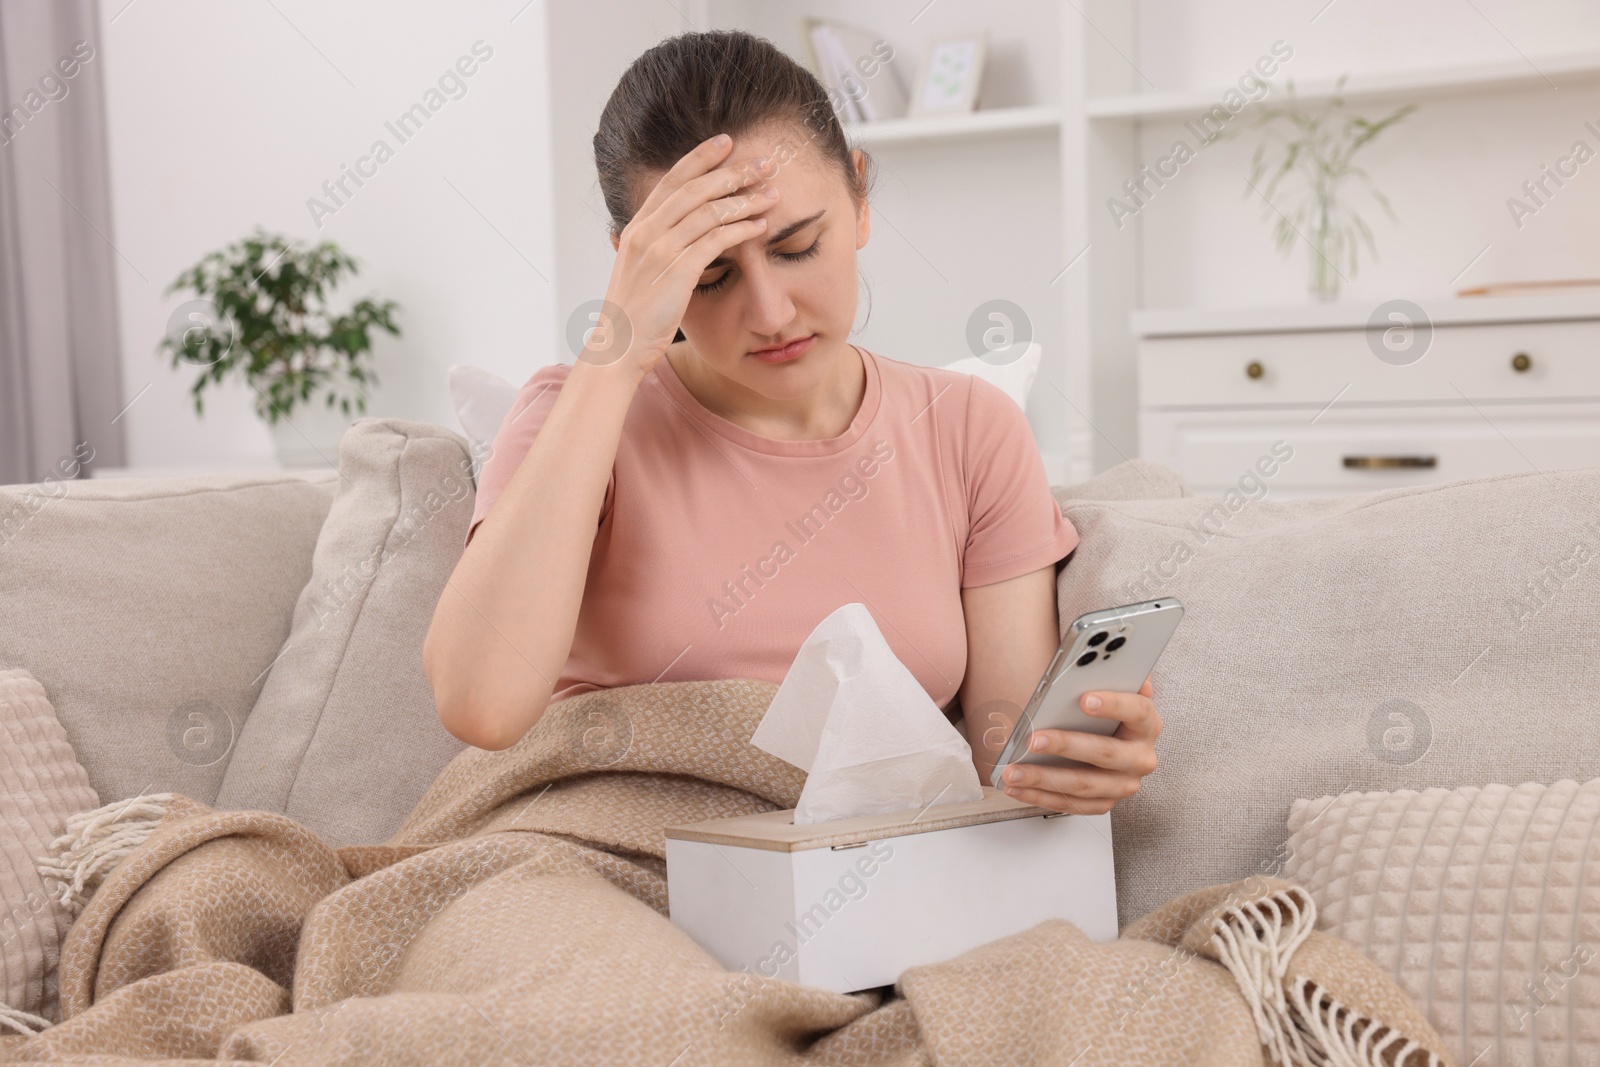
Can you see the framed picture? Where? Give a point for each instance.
(947, 80)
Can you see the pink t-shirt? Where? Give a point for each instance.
(719, 550)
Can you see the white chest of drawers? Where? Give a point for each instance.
(1470, 388)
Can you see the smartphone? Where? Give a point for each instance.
(1113, 650)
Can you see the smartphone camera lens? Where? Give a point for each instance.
(1098, 638)
(1087, 658)
(1116, 643)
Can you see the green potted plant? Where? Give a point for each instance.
(261, 311)
(1319, 151)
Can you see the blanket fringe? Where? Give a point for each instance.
(1254, 941)
(1301, 1024)
(94, 843)
(1345, 1046)
(20, 1021)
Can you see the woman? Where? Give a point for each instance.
(721, 468)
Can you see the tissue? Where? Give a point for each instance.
(858, 722)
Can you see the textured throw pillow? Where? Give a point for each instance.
(345, 737)
(1482, 903)
(1426, 636)
(41, 786)
(482, 400)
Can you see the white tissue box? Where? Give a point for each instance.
(847, 904)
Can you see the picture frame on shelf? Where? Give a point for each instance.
(949, 74)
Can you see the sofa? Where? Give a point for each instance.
(253, 641)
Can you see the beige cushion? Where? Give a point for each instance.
(345, 737)
(1132, 479)
(1482, 903)
(150, 608)
(41, 785)
(1363, 642)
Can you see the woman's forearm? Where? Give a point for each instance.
(504, 625)
(1012, 635)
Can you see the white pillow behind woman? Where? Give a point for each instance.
(1015, 379)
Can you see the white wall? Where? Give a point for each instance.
(223, 116)
(584, 68)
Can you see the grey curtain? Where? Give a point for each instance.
(60, 370)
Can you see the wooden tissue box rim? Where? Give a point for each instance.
(775, 831)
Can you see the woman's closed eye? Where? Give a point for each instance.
(711, 287)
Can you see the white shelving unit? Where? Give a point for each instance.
(1577, 306)
(1113, 123)
(1475, 387)
(977, 124)
(1459, 80)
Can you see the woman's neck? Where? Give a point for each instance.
(826, 412)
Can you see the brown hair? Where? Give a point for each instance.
(691, 87)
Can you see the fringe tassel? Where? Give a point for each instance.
(1307, 1027)
(21, 1021)
(1346, 1047)
(1254, 941)
(94, 843)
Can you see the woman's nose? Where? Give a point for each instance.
(768, 308)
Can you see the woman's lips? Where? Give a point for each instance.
(788, 352)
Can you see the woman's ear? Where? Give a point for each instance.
(616, 243)
(864, 212)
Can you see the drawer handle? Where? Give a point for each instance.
(1521, 362)
(1254, 369)
(1390, 462)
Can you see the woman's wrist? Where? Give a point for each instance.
(603, 371)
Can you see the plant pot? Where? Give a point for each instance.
(309, 436)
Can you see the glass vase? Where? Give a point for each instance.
(1324, 240)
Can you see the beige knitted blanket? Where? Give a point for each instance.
(519, 917)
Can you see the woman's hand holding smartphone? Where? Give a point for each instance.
(1084, 741)
(696, 212)
(1119, 762)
